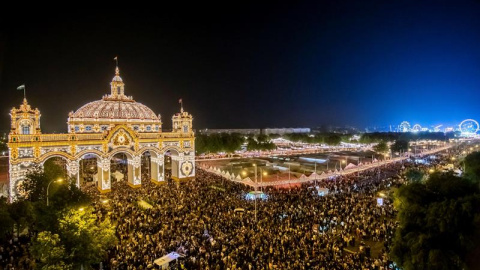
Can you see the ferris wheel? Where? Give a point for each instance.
(404, 126)
(417, 128)
(469, 127)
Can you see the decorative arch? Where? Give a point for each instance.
(170, 148)
(124, 150)
(151, 150)
(48, 155)
(94, 152)
(112, 132)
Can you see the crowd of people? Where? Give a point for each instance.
(295, 228)
(211, 224)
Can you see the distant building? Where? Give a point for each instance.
(245, 131)
(255, 131)
(282, 131)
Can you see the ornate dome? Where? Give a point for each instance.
(115, 109)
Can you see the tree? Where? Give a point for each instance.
(414, 175)
(49, 252)
(472, 167)
(35, 185)
(86, 240)
(21, 212)
(400, 146)
(438, 223)
(333, 139)
(381, 147)
(6, 224)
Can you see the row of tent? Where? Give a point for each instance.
(303, 177)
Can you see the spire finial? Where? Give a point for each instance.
(181, 105)
(117, 71)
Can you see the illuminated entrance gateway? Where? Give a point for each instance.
(115, 125)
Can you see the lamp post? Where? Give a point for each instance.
(255, 165)
(48, 187)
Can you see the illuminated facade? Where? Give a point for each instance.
(102, 129)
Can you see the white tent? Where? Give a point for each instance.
(313, 176)
(350, 166)
(118, 175)
(165, 260)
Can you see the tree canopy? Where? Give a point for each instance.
(400, 146)
(438, 223)
(472, 167)
(215, 143)
(381, 147)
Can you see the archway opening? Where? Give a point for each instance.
(171, 164)
(146, 163)
(119, 167)
(88, 170)
(55, 167)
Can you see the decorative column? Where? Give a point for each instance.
(157, 169)
(135, 172)
(103, 179)
(17, 174)
(176, 160)
(187, 166)
(73, 170)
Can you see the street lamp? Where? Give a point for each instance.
(59, 180)
(255, 165)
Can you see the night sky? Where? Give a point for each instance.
(358, 63)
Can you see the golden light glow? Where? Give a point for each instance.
(244, 173)
(81, 209)
(431, 171)
(92, 130)
(265, 173)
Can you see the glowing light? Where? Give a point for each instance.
(469, 127)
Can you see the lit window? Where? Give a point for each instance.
(88, 128)
(135, 128)
(104, 128)
(77, 128)
(149, 128)
(25, 129)
(185, 129)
